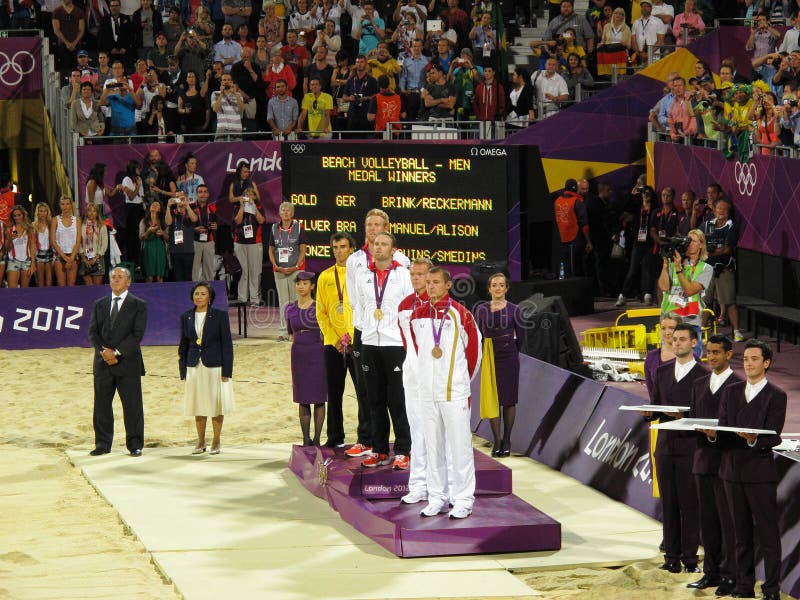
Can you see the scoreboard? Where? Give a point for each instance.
(446, 202)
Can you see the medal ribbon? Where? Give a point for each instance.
(437, 333)
(380, 291)
(339, 285)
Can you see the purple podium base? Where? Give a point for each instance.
(369, 501)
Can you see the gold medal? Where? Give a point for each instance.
(199, 341)
(378, 314)
(340, 308)
(436, 352)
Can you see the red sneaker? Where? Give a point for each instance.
(400, 462)
(358, 450)
(376, 460)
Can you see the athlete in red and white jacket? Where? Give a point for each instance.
(448, 348)
(417, 487)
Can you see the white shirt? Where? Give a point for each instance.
(751, 390)
(663, 9)
(121, 297)
(682, 370)
(717, 380)
(356, 263)
(543, 85)
(646, 31)
(790, 40)
(383, 332)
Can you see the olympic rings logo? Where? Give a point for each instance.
(746, 176)
(13, 64)
(298, 148)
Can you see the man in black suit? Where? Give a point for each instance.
(716, 522)
(116, 36)
(675, 452)
(748, 469)
(116, 330)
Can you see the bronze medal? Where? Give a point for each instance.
(340, 308)
(436, 352)
(199, 341)
(378, 314)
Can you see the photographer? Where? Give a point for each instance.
(484, 41)
(764, 114)
(763, 37)
(683, 278)
(789, 119)
(371, 30)
(722, 236)
(192, 51)
(180, 219)
(229, 106)
(705, 108)
(358, 91)
(774, 69)
(123, 106)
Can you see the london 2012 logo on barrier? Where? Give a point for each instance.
(14, 69)
(746, 176)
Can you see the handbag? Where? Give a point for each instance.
(250, 109)
(617, 252)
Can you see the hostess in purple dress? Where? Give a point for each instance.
(652, 361)
(309, 385)
(505, 328)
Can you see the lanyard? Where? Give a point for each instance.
(380, 291)
(338, 285)
(437, 333)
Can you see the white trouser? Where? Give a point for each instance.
(250, 257)
(203, 265)
(417, 470)
(448, 436)
(286, 293)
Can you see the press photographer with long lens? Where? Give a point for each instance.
(683, 278)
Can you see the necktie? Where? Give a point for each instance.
(115, 310)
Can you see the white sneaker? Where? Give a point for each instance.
(433, 509)
(737, 336)
(414, 496)
(648, 298)
(460, 512)
(620, 301)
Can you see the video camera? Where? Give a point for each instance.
(673, 244)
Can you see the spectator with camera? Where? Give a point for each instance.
(722, 236)
(763, 37)
(371, 30)
(684, 277)
(767, 123)
(330, 40)
(324, 11)
(358, 91)
(229, 106)
(192, 52)
(773, 68)
(690, 20)
(304, 22)
(180, 220)
(789, 120)
(705, 107)
(791, 39)
(403, 8)
(484, 41)
(584, 35)
(404, 35)
(123, 103)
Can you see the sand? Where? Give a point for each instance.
(60, 539)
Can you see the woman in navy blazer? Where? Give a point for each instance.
(205, 359)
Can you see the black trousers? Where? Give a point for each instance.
(383, 367)
(716, 528)
(364, 431)
(134, 213)
(336, 369)
(130, 392)
(182, 265)
(755, 506)
(679, 503)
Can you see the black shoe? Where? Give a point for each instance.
(775, 596)
(332, 444)
(743, 595)
(136, 453)
(706, 581)
(661, 546)
(726, 586)
(691, 569)
(496, 451)
(99, 452)
(506, 449)
(671, 567)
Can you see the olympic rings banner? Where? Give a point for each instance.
(765, 191)
(59, 317)
(20, 68)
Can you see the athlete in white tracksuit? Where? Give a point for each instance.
(417, 486)
(448, 348)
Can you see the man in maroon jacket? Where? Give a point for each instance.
(716, 522)
(489, 101)
(748, 469)
(675, 452)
